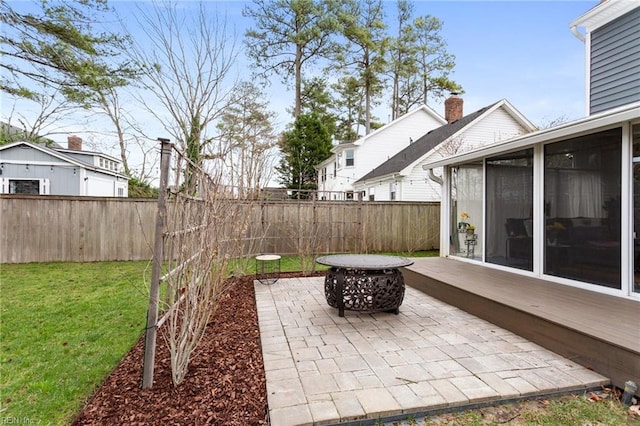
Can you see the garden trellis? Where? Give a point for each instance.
(200, 226)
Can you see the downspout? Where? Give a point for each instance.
(577, 34)
(433, 177)
(583, 38)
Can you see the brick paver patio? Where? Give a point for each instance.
(323, 369)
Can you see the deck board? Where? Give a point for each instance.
(577, 323)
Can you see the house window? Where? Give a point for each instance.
(372, 193)
(583, 215)
(335, 169)
(323, 176)
(120, 192)
(393, 187)
(509, 231)
(25, 186)
(349, 162)
(349, 195)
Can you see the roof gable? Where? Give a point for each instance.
(60, 155)
(425, 144)
(43, 149)
(422, 108)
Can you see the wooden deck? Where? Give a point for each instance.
(598, 331)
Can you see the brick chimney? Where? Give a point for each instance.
(453, 108)
(74, 142)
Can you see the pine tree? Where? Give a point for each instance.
(306, 144)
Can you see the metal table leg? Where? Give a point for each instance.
(340, 276)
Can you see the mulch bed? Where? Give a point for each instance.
(225, 384)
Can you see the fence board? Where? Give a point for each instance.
(90, 229)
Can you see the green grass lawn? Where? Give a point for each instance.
(65, 326)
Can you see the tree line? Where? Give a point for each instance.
(338, 57)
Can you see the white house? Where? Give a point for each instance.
(562, 204)
(31, 168)
(352, 160)
(401, 178)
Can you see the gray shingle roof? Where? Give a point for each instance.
(423, 145)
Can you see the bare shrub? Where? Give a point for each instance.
(306, 235)
(203, 231)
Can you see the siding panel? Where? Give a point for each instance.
(615, 61)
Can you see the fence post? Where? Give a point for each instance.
(360, 231)
(156, 267)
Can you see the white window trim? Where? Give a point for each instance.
(43, 185)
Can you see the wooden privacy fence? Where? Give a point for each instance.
(75, 229)
(93, 229)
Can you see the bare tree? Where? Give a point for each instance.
(187, 67)
(451, 147)
(50, 109)
(108, 102)
(306, 235)
(246, 143)
(548, 123)
(206, 240)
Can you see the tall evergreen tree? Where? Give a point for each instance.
(289, 35)
(434, 64)
(349, 108)
(318, 100)
(419, 64)
(304, 146)
(402, 49)
(364, 29)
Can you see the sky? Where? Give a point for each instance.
(522, 51)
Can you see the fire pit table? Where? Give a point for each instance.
(364, 282)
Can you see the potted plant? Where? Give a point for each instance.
(463, 224)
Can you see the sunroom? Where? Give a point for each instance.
(561, 204)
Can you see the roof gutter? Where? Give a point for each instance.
(571, 129)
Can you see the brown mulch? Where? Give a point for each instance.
(225, 384)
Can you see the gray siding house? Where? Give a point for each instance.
(31, 168)
(612, 41)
